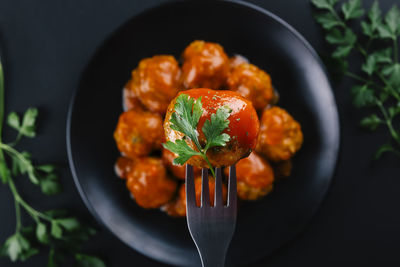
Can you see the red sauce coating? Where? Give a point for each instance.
(252, 83)
(156, 82)
(255, 177)
(138, 133)
(280, 135)
(129, 98)
(123, 166)
(205, 65)
(149, 184)
(243, 126)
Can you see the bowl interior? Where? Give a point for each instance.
(240, 28)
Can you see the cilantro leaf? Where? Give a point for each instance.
(85, 260)
(352, 9)
(213, 128)
(182, 149)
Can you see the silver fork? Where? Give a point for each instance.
(211, 228)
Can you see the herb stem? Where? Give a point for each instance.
(1, 100)
(32, 212)
(388, 121)
(17, 154)
(395, 49)
(355, 76)
(17, 215)
(339, 19)
(2, 158)
(392, 91)
(362, 50)
(204, 156)
(209, 164)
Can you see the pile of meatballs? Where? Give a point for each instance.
(151, 178)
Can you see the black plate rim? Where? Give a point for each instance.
(336, 135)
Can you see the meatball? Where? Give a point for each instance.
(149, 184)
(138, 133)
(178, 207)
(130, 99)
(252, 83)
(243, 126)
(237, 60)
(123, 166)
(205, 64)
(179, 171)
(156, 82)
(255, 177)
(280, 135)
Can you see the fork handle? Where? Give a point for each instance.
(212, 257)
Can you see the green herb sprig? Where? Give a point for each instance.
(55, 229)
(379, 75)
(185, 120)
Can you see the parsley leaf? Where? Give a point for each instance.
(363, 95)
(61, 233)
(380, 68)
(327, 20)
(371, 122)
(85, 260)
(352, 9)
(186, 116)
(213, 128)
(393, 72)
(324, 4)
(392, 20)
(182, 149)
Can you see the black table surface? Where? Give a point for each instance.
(46, 44)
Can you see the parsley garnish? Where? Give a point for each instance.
(185, 119)
(379, 75)
(55, 229)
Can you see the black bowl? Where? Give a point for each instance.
(242, 28)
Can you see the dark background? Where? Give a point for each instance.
(45, 45)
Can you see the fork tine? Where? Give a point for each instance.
(232, 189)
(218, 188)
(205, 191)
(190, 190)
